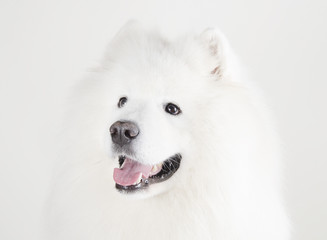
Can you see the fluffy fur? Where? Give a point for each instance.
(228, 185)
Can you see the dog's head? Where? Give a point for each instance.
(160, 93)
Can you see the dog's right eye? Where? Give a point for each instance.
(122, 102)
(172, 109)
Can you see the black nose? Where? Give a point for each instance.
(123, 133)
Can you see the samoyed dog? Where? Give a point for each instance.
(167, 139)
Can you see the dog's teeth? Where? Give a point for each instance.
(122, 165)
(138, 179)
(154, 168)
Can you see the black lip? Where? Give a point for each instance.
(169, 167)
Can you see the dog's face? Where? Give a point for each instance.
(158, 96)
(151, 129)
(146, 143)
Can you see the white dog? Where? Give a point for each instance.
(167, 140)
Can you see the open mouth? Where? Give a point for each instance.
(132, 176)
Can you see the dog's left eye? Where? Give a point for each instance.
(122, 102)
(172, 109)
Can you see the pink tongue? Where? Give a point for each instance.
(130, 172)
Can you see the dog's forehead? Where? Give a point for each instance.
(163, 85)
(156, 78)
(156, 69)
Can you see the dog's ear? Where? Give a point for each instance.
(132, 27)
(129, 35)
(129, 31)
(221, 55)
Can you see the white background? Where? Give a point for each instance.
(47, 45)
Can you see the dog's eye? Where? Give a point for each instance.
(172, 109)
(122, 102)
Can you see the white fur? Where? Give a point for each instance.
(228, 185)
